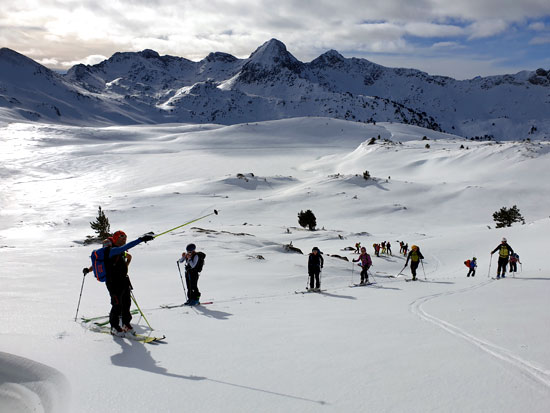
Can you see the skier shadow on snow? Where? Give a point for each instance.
(528, 278)
(135, 355)
(347, 297)
(383, 287)
(220, 315)
(436, 282)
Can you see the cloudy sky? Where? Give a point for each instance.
(458, 38)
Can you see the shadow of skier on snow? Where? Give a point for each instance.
(347, 297)
(134, 355)
(220, 315)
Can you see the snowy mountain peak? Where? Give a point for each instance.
(329, 58)
(220, 57)
(149, 54)
(273, 52)
(11, 57)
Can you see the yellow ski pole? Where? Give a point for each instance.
(187, 223)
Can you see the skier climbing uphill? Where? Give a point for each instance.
(415, 256)
(504, 252)
(471, 264)
(365, 263)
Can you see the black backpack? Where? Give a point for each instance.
(200, 262)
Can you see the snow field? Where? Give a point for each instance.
(450, 344)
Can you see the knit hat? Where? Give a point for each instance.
(191, 248)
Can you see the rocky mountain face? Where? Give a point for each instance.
(144, 87)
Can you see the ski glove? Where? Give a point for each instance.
(147, 237)
(85, 271)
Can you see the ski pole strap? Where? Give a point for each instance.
(187, 223)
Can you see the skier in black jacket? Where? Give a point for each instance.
(504, 252)
(314, 266)
(118, 283)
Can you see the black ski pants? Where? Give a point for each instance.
(364, 274)
(314, 278)
(472, 272)
(513, 267)
(121, 301)
(502, 263)
(414, 266)
(192, 281)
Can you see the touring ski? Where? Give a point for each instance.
(362, 285)
(168, 306)
(135, 337)
(309, 291)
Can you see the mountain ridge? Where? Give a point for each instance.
(145, 87)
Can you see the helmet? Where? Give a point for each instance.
(504, 239)
(474, 258)
(414, 247)
(315, 249)
(190, 248)
(117, 235)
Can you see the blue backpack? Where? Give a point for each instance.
(98, 263)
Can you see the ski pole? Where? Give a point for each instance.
(187, 223)
(139, 309)
(81, 288)
(181, 278)
(402, 269)
(352, 270)
(422, 262)
(489, 272)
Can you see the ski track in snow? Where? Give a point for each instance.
(527, 368)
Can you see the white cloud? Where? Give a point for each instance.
(48, 62)
(538, 26)
(62, 30)
(448, 46)
(88, 60)
(487, 28)
(540, 40)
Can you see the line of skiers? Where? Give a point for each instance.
(382, 248)
(117, 259)
(114, 266)
(506, 256)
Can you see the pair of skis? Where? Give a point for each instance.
(134, 337)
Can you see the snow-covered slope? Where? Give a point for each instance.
(145, 87)
(449, 343)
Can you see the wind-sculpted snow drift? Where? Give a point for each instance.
(28, 386)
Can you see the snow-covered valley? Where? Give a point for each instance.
(446, 343)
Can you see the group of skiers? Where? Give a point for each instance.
(115, 267)
(315, 263)
(382, 248)
(117, 259)
(506, 256)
